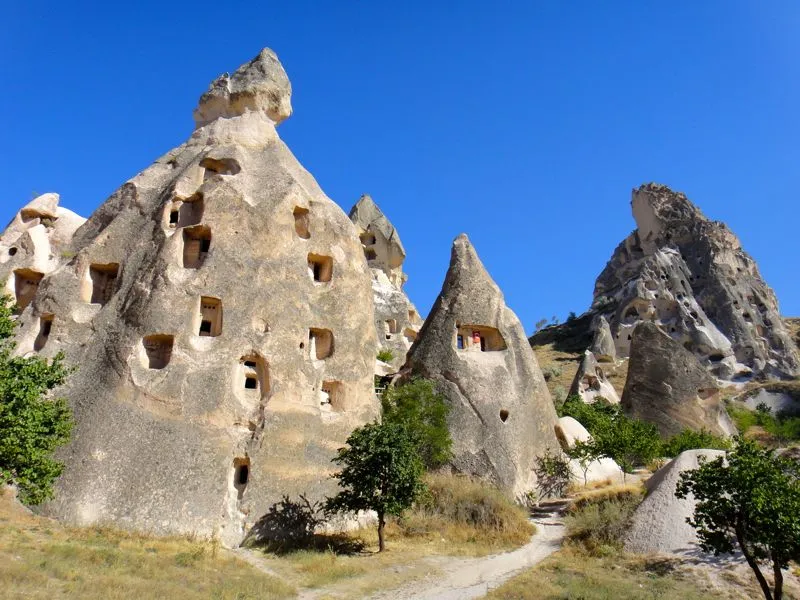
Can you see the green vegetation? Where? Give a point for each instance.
(552, 475)
(381, 471)
(422, 411)
(597, 522)
(386, 356)
(551, 372)
(690, 440)
(753, 497)
(32, 425)
(782, 428)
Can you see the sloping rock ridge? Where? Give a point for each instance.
(208, 304)
(474, 347)
(397, 321)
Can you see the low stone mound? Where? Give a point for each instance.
(569, 431)
(659, 523)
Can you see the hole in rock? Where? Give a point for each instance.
(196, 245)
(210, 316)
(103, 279)
(26, 284)
(479, 337)
(241, 475)
(301, 222)
(45, 327)
(370, 254)
(503, 415)
(320, 343)
(254, 374)
(158, 349)
(331, 396)
(12, 251)
(320, 268)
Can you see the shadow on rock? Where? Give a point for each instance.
(292, 525)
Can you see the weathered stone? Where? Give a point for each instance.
(397, 321)
(668, 386)
(569, 431)
(691, 276)
(659, 523)
(474, 347)
(218, 306)
(603, 342)
(591, 383)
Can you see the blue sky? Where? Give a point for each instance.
(523, 124)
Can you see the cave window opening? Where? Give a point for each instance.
(45, 327)
(320, 268)
(301, 222)
(158, 349)
(26, 284)
(210, 317)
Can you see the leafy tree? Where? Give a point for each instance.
(689, 439)
(381, 471)
(552, 475)
(539, 324)
(32, 426)
(422, 410)
(585, 453)
(751, 498)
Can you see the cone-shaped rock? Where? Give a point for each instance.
(475, 348)
(590, 382)
(219, 308)
(667, 386)
(603, 342)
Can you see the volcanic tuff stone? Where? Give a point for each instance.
(690, 275)
(569, 431)
(603, 346)
(667, 386)
(590, 382)
(397, 321)
(473, 346)
(209, 304)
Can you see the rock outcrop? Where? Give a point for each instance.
(219, 308)
(569, 431)
(590, 382)
(659, 523)
(474, 347)
(691, 276)
(668, 386)
(603, 346)
(397, 321)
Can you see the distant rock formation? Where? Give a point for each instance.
(218, 306)
(603, 346)
(667, 386)
(659, 523)
(397, 321)
(690, 276)
(590, 382)
(473, 346)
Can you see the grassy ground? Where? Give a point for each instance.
(40, 558)
(562, 366)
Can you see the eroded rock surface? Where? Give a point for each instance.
(667, 386)
(569, 431)
(590, 382)
(397, 321)
(603, 346)
(474, 347)
(209, 305)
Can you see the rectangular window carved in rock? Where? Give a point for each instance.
(241, 475)
(196, 245)
(320, 343)
(332, 396)
(104, 280)
(253, 375)
(158, 350)
(210, 316)
(301, 222)
(479, 338)
(320, 268)
(26, 284)
(45, 327)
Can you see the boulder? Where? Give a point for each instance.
(590, 382)
(474, 347)
(569, 431)
(220, 310)
(668, 386)
(659, 523)
(603, 342)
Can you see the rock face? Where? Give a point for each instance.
(397, 321)
(209, 304)
(668, 386)
(475, 349)
(659, 523)
(603, 346)
(569, 431)
(691, 276)
(590, 382)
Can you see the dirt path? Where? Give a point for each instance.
(465, 578)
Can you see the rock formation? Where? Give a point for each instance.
(590, 382)
(569, 431)
(659, 523)
(603, 346)
(668, 386)
(473, 346)
(691, 276)
(209, 305)
(397, 321)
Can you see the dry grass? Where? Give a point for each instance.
(40, 558)
(612, 492)
(569, 362)
(571, 573)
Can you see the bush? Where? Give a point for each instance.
(552, 475)
(386, 356)
(783, 427)
(462, 509)
(599, 524)
(421, 410)
(691, 440)
(551, 372)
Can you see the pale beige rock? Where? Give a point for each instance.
(218, 306)
(569, 431)
(603, 346)
(590, 382)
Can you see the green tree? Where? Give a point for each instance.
(32, 425)
(750, 498)
(585, 453)
(422, 410)
(689, 439)
(381, 471)
(552, 475)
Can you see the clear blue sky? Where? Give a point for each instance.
(523, 124)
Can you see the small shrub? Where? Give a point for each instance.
(598, 524)
(385, 355)
(559, 396)
(551, 372)
(552, 475)
(690, 440)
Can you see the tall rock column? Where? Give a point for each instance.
(474, 347)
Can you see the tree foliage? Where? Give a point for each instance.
(32, 425)
(750, 498)
(422, 411)
(691, 440)
(552, 475)
(381, 471)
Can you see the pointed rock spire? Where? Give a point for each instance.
(474, 347)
